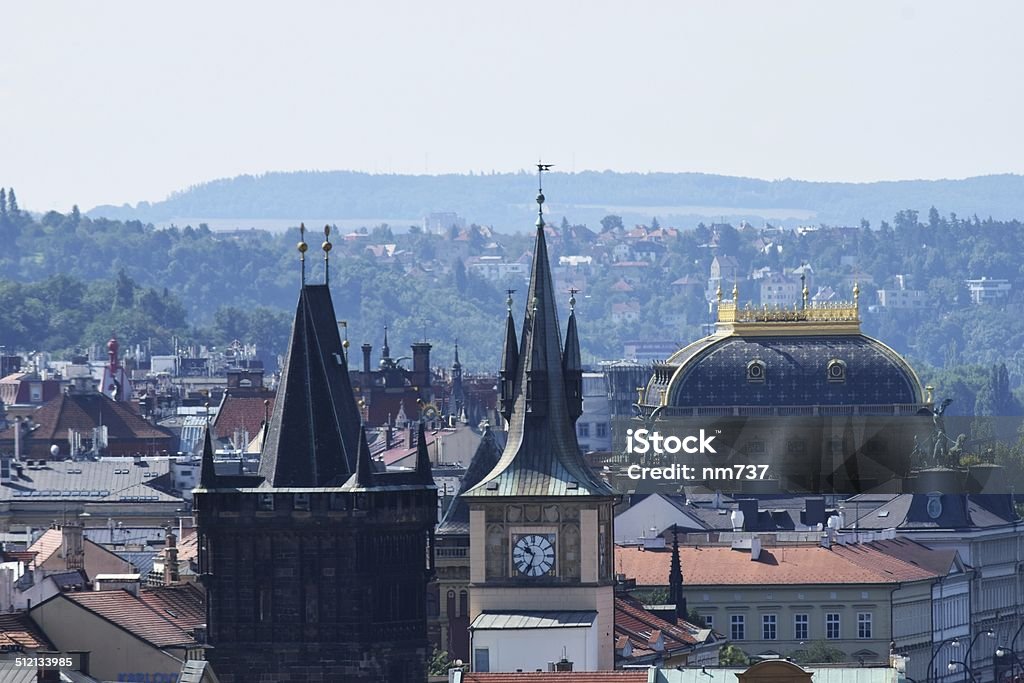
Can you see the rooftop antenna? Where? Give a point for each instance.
(326, 246)
(302, 247)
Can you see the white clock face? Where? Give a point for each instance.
(533, 554)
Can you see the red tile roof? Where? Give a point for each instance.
(133, 615)
(643, 628)
(46, 545)
(184, 604)
(242, 410)
(792, 565)
(18, 629)
(639, 676)
(83, 412)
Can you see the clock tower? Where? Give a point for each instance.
(541, 570)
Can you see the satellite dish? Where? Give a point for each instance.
(54, 450)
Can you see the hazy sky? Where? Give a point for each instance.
(112, 102)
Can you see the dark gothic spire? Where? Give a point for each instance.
(424, 468)
(314, 428)
(207, 471)
(456, 517)
(364, 468)
(541, 456)
(675, 580)
(509, 361)
(572, 364)
(385, 350)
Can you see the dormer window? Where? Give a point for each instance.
(756, 370)
(836, 370)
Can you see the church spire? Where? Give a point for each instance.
(207, 471)
(675, 580)
(385, 350)
(541, 455)
(424, 468)
(364, 466)
(313, 430)
(572, 364)
(509, 362)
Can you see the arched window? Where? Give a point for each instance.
(464, 603)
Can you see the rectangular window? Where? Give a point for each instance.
(768, 624)
(481, 659)
(864, 624)
(709, 620)
(800, 623)
(737, 627)
(602, 430)
(832, 626)
(584, 429)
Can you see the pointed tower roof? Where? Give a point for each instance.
(572, 359)
(364, 467)
(541, 456)
(314, 427)
(456, 517)
(456, 363)
(207, 471)
(424, 468)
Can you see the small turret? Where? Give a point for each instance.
(572, 366)
(509, 362)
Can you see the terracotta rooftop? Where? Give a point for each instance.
(639, 676)
(790, 565)
(133, 615)
(17, 629)
(642, 628)
(242, 410)
(184, 604)
(83, 412)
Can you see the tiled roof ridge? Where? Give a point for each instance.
(84, 598)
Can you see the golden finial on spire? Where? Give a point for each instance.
(856, 295)
(534, 305)
(572, 299)
(718, 291)
(735, 291)
(302, 250)
(326, 246)
(508, 301)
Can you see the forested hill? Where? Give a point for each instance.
(499, 199)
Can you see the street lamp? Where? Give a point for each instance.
(987, 632)
(1003, 651)
(955, 642)
(954, 663)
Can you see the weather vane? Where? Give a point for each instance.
(302, 251)
(572, 298)
(541, 167)
(508, 301)
(327, 254)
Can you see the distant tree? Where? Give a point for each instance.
(3, 202)
(730, 655)
(76, 215)
(611, 222)
(415, 230)
(819, 652)
(383, 233)
(124, 291)
(565, 224)
(440, 662)
(655, 224)
(459, 276)
(12, 202)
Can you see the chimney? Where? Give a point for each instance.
(814, 511)
(72, 546)
(421, 364)
(563, 665)
(170, 559)
(366, 357)
(45, 674)
(748, 506)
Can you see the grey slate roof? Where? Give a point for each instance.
(313, 431)
(92, 481)
(910, 511)
(541, 456)
(533, 619)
